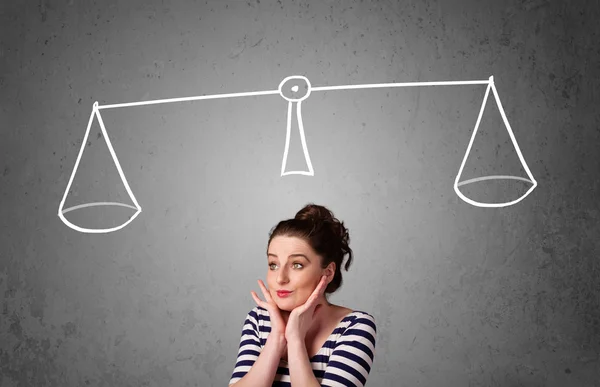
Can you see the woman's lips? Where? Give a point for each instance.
(283, 294)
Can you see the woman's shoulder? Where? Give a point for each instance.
(351, 313)
(258, 314)
(357, 318)
(257, 310)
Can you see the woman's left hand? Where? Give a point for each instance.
(303, 316)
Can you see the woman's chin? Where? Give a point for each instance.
(284, 306)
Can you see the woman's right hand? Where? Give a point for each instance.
(277, 322)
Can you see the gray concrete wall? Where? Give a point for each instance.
(463, 295)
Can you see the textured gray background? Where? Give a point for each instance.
(463, 296)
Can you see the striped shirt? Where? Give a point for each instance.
(345, 359)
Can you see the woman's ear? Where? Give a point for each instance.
(330, 272)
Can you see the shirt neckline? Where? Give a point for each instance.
(328, 337)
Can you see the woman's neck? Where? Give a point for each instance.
(325, 311)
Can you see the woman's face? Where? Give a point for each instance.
(294, 266)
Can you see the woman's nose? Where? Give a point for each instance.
(282, 277)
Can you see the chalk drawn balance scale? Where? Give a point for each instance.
(295, 89)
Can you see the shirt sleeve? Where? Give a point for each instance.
(249, 348)
(351, 360)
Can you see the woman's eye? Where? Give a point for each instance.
(296, 265)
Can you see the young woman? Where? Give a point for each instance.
(296, 337)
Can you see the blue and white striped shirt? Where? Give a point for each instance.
(345, 359)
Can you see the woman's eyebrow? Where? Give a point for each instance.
(291, 256)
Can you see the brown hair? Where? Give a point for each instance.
(325, 234)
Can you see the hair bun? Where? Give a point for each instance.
(321, 216)
(314, 213)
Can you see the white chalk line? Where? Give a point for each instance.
(272, 92)
(493, 177)
(185, 99)
(95, 204)
(310, 171)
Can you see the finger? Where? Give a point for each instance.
(255, 297)
(258, 301)
(264, 291)
(319, 290)
(324, 284)
(310, 305)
